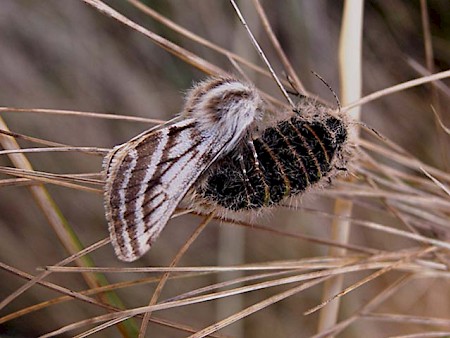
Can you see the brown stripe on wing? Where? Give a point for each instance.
(139, 173)
(174, 135)
(201, 161)
(164, 164)
(121, 163)
(149, 197)
(120, 168)
(156, 181)
(145, 148)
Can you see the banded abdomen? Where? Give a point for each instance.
(284, 161)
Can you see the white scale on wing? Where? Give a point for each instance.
(174, 184)
(122, 193)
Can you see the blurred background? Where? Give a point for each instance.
(66, 55)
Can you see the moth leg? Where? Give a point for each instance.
(260, 172)
(255, 155)
(247, 185)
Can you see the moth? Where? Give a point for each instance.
(217, 152)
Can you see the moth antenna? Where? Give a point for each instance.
(261, 53)
(329, 87)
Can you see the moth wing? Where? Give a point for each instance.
(146, 179)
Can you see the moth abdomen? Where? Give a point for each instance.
(284, 161)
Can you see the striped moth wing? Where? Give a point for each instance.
(148, 176)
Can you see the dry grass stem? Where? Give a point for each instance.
(80, 114)
(166, 276)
